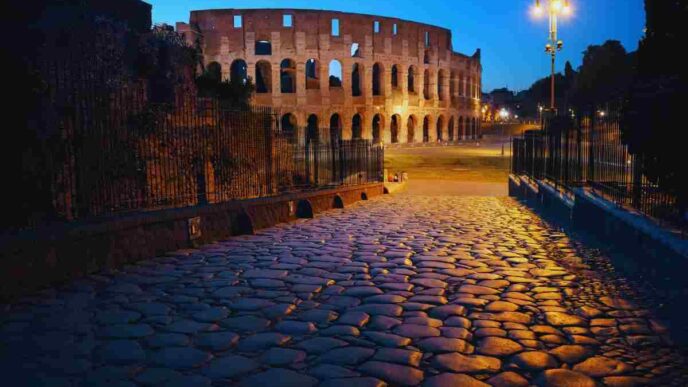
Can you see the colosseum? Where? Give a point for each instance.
(342, 75)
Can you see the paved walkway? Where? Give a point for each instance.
(403, 290)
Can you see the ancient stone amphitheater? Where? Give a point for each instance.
(336, 75)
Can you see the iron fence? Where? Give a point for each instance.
(589, 151)
(114, 151)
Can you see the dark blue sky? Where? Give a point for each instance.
(512, 42)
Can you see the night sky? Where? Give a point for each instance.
(512, 42)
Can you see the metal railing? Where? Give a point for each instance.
(589, 152)
(113, 151)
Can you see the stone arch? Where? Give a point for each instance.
(377, 125)
(364, 195)
(263, 47)
(450, 129)
(337, 202)
(453, 93)
(214, 71)
(357, 127)
(378, 73)
(426, 128)
(335, 73)
(394, 127)
(426, 84)
(288, 124)
(440, 128)
(335, 128)
(441, 78)
(461, 133)
(238, 71)
(263, 77)
(304, 209)
(412, 79)
(312, 74)
(312, 131)
(395, 77)
(242, 224)
(356, 80)
(288, 76)
(411, 129)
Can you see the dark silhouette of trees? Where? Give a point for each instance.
(654, 112)
(604, 76)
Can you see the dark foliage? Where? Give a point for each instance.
(654, 113)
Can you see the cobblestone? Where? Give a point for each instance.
(395, 291)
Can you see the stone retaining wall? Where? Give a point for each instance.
(33, 259)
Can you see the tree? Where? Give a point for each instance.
(604, 76)
(654, 112)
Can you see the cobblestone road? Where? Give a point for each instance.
(405, 290)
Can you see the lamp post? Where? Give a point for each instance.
(554, 9)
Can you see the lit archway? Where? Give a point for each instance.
(312, 132)
(263, 77)
(411, 129)
(238, 71)
(440, 128)
(377, 128)
(426, 129)
(288, 76)
(335, 128)
(356, 127)
(394, 128)
(312, 74)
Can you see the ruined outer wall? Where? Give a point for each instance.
(453, 84)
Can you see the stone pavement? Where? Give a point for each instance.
(400, 291)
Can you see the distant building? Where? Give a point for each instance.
(333, 75)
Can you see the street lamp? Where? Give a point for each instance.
(554, 9)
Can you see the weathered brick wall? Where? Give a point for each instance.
(453, 104)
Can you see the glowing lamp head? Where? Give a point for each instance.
(537, 10)
(557, 5)
(567, 8)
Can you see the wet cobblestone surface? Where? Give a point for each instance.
(403, 290)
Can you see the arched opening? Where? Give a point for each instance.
(288, 76)
(263, 77)
(426, 129)
(439, 128)
(312, 74)
(356, 80)
(441, 78)
(337, 202)
(474, 128)
(395, 77)
(412, 79)
(462, 130)
(288, 125)
(450, 129)
(426, 84)
(312, 132)
(356, 127)
(238, 71)
(335, 73)
(426, 57)
(377, 128)
(242, 224)
(335, 128)
(411, 129)
(377, 79)
(394, 128)
(214, 71)
(355, 50)
(263, 47)
(304, 209)
(452, 85)
(364, 196)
